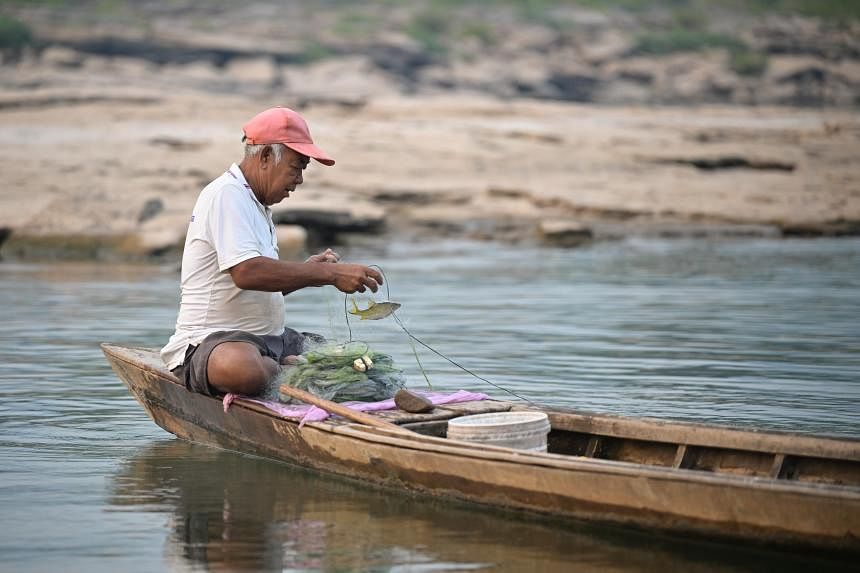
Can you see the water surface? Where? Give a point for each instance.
(750, 333)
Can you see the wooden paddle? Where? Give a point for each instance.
(334, 408)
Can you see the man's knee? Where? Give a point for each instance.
(239, 367)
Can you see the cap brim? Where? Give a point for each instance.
(311, 150)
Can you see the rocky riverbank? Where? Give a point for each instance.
(660, 52)
(108, 133)
(116, 178)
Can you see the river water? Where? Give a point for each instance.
(762, 333)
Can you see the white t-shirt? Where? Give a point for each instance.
(229, 225)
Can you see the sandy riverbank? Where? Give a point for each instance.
(115, 176)
(112, 122)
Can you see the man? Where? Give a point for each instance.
(230, 333)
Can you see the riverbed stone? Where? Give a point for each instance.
(62, 57)
(263, 70)
(611, 45)
(5, 233)
(66, 247)
(150, 209)
(157, 241)
(325, 220)
(291, 240)
(347, 81)
(560, 233)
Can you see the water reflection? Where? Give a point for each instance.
(235, 513)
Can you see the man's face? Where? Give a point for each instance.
(284, 177)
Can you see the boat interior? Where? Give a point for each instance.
(773, 455)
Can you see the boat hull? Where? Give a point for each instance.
(669, 499)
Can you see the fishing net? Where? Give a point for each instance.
(343, 372)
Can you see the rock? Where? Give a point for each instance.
(535, 136)
(519, 75)
(413, 403)
(627, 81)
(399, 56)
(579, 87)
(61, 57)
(787, 68)
(117, 67)
(526, 75)
(564, 233)
(476, 75)
(691, 78)
(636, 70)
(835, 228)
(331, 220)
(622, 91)
(156, 242)
(611, 45)
(729, 162)
(529, 38)
(291, 240)
(699, 230)
(674, 228)
(5, 232)
(325, 220)
(808, 80)
(807, 36)
(177, 144)
(347, 81)
(66, 247)
(416, 197)
(49, 99)
(263, 71)
(159, 235)
(150, 209)
(199, 70)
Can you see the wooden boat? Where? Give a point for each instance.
(768, 487)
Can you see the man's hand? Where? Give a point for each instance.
(327, 256)
(350, 278)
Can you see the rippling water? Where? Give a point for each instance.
(749, 333)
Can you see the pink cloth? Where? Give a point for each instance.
(306, 413)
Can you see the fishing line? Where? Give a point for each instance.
(424, 344)
(461, 367)
(346, 315)
(408, 336)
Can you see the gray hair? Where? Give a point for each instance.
(277, 150)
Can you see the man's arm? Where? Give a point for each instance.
(271, 275)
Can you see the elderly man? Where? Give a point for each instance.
(230, 333)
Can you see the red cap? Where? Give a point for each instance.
(283, 125)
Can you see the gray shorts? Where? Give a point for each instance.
(193, 371)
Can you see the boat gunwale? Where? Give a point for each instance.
(649, 429)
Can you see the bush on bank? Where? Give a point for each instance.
(14, 36)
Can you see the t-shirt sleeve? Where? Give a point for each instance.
(231, 228)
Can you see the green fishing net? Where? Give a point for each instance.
(330, 371)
